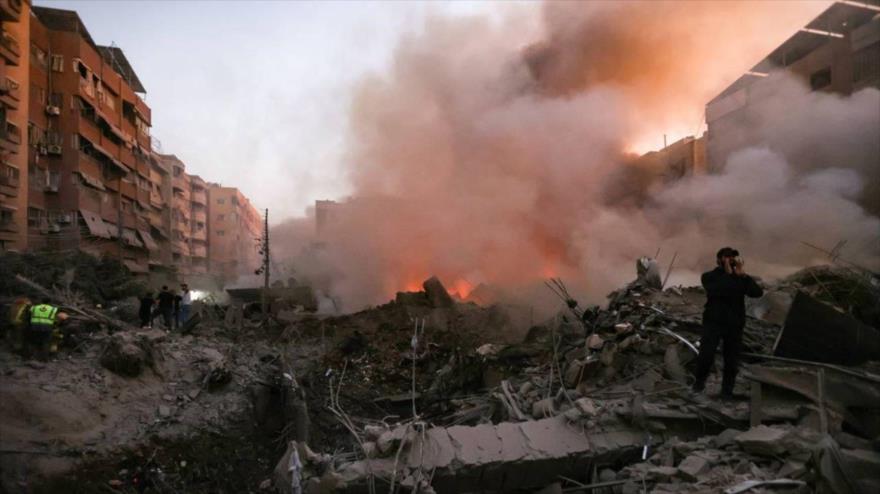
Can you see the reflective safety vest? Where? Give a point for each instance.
(43, 315)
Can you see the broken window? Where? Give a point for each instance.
(38, 56)
(820, 79)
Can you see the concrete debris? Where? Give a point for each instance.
(807, 330)
(436, 293)
(481, 401)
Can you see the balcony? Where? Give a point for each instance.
(88, 128)
(201, 235)
(8, 225)
(200, 197)
(180, 247)
(129, 189)
(10, 49)
(10, 137)
(10, 10)
(200, 216)
(127, 157)
(10, 93)
(199, 251)
(180, 182)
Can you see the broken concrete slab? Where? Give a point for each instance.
(502, 457)
(763, 440)
(816, 331)
(692, 467)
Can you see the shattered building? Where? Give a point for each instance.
(839, 52)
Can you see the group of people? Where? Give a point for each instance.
(172, 308)
(34, 328)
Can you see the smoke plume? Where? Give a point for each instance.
(482, 157)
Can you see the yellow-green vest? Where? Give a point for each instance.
(43, 315)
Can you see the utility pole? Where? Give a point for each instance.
(264, 267)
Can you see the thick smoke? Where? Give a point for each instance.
(485, 158)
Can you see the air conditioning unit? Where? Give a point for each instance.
(64, 219)
(53, 110)
(54, 228)
(44, 150)
(54, 149)
(51, 188)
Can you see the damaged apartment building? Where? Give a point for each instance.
(838, 52)
(80, 169)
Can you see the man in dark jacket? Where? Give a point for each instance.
(724, 317)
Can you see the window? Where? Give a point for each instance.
(220, 233)
(39, 94)
(220, 217)
(35, 217)
(82, 69)
(221, 201)
(57, 63)
(38, 56)
(56, 99)
(820, 79)
(866, 63)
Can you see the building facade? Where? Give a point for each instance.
(78, 169)
(234, 230)
(15, 17)
(839, 51)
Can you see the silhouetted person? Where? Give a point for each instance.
(165, 307)
(146, 310)
(724, 317)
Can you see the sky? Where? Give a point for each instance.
(256, 94)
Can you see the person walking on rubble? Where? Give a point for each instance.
(724, 317)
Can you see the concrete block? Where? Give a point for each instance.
(763, 440)
(692, 467)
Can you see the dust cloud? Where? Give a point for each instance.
(482, 157)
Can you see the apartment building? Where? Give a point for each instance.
(198, 225)
(15, 17)
(86, 144)
(180, 206)
(234, 230)
(839, 52)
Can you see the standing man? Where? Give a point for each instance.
(165, 307)
(185, 304)
(724, 317)
(146, 310)
(39, 333)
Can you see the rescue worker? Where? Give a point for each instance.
(19, 314)
(724, 317)
(39, 334)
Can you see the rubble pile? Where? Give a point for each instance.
(601, 398)
(431, 394)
